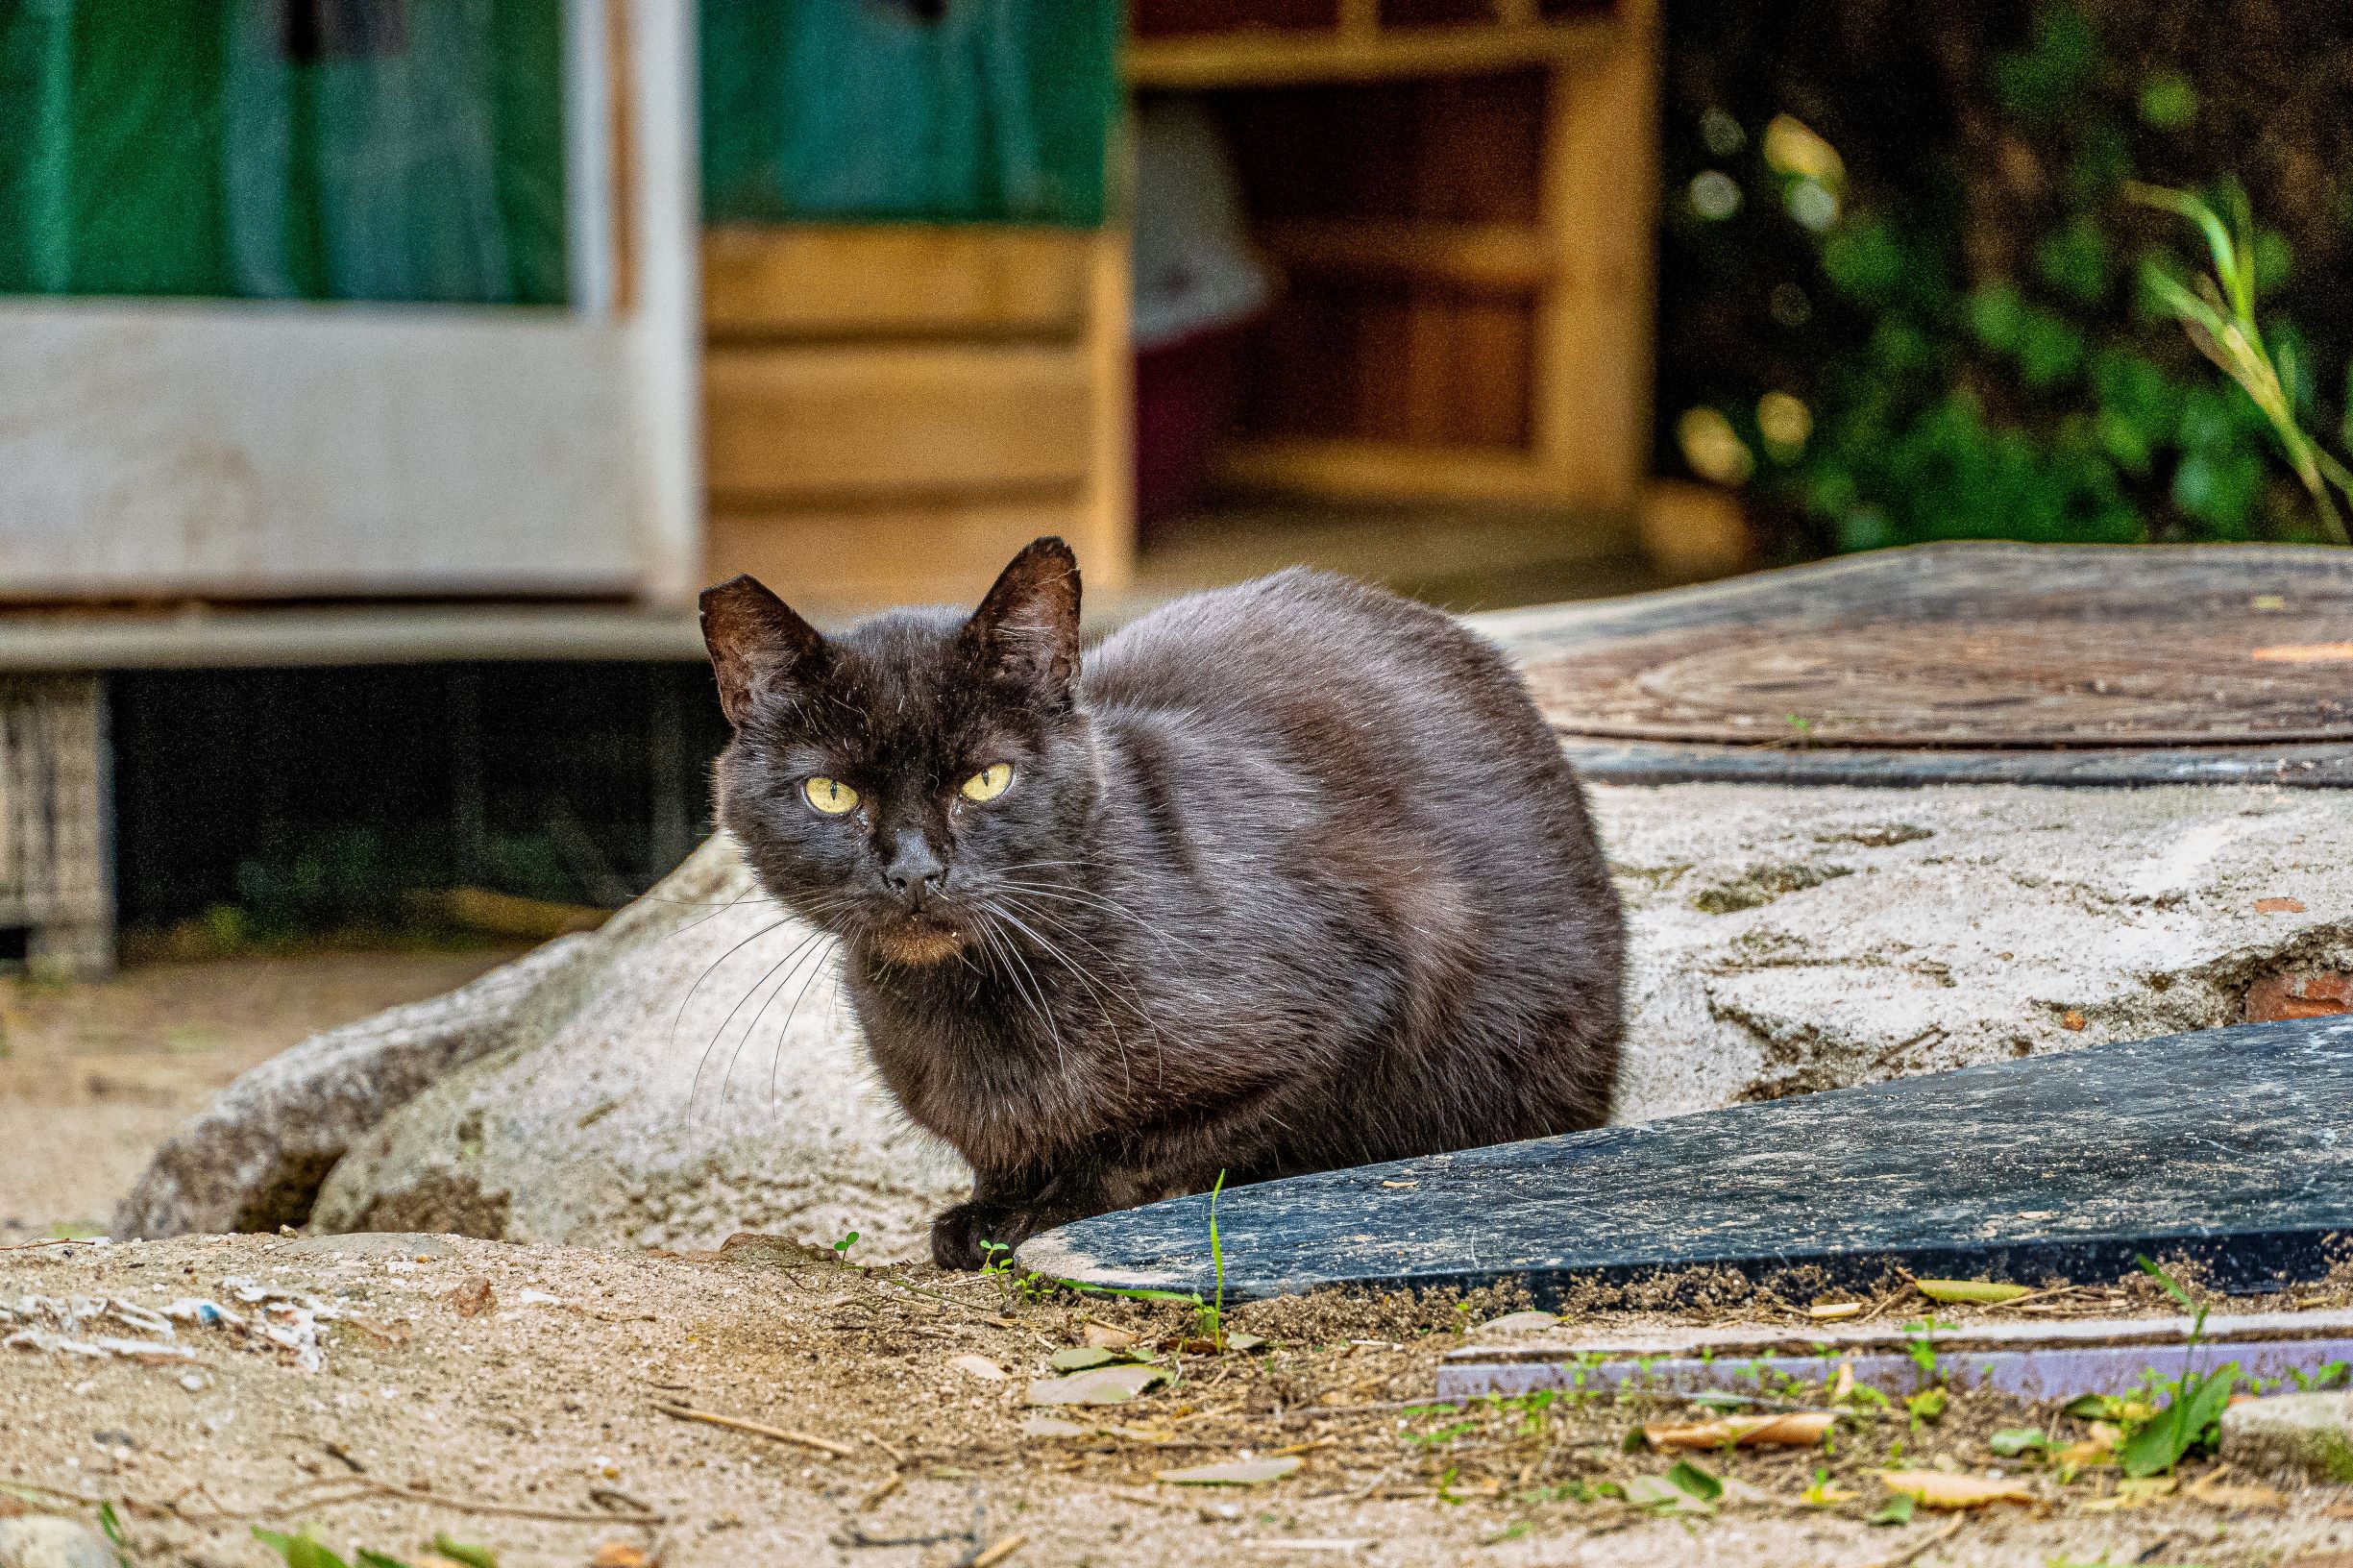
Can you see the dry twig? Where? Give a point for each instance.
(781, 1434)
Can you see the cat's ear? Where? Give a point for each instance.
(1027, 627)
(757, 644)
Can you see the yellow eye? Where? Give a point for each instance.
(989, 782)
(830, 795)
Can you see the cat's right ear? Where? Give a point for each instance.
(757, 644)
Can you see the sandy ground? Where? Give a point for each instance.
(94, 1075)
(513, 1397)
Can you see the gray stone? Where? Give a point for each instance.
(253, 1160)
(41, 1540)
(1787, 940)
(2293, 1438)
(714, 1083)
(691, 1071)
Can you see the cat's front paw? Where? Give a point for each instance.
(964, 1237)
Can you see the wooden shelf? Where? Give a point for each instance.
(1359, 470)
(764, 283)
(1270, 58)
(1500, 258)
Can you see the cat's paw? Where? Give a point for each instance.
(963, 1237)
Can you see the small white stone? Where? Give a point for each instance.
(2293, 1436)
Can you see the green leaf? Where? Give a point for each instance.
(1689, 1479)
(2075, 261)
(2012, 1441)
(2186, 1422)
(2168, 101)
(379, 1560)
(1898, 1511)
(1984, 1292)
(1660, 1495)
(481, 1556)
(1928, 1404)
(300, 1551)
(1996, 315)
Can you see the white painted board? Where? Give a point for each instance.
(233, 449)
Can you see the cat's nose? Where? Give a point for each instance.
(913, 870)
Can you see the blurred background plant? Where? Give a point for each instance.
(1908, 294)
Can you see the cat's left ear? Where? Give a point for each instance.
(1027, 627)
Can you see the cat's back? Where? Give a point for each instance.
(1286, 648)
(1355, 794)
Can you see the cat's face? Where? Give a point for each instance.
(910, 783)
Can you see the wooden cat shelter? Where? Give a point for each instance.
(1459, 195)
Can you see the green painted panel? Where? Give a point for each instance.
(832, 111)
(284, 149)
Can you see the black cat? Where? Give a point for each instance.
(1292, 876)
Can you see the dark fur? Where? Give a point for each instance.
(1306, 880)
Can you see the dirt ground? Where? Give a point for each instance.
(93, 1075)
(515, 1398)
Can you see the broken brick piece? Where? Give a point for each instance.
(2320, 995)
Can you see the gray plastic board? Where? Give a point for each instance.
(2230, 1146)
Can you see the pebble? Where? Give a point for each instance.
(39, 1540)
(2292, 1437)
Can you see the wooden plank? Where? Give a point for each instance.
(1499, 257)
(2229, 1148)
(1106, 538)
(1385, 470)
(895, 281)
(248, 449)
(1593, 352)
(839, 561)
(878, 420)
(1271, 58)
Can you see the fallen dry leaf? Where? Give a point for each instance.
(2073, 1022)
(1799, 1429)
(2279, 906)
(2134, 1493)
(1935, 1490)
(1097, 1385)
(1231, 1473)
(981, 1367)
(1981, 1292)
(473, 1298)
(619, 1555)
(1841, 1386)
(2305, 653)
(2232, 1496)
(1105, 1337)
(1832, 1310)
(1079, 1358)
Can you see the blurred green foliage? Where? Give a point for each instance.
(2043, 393)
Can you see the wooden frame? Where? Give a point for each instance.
(1585, 263)
(260, 449)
